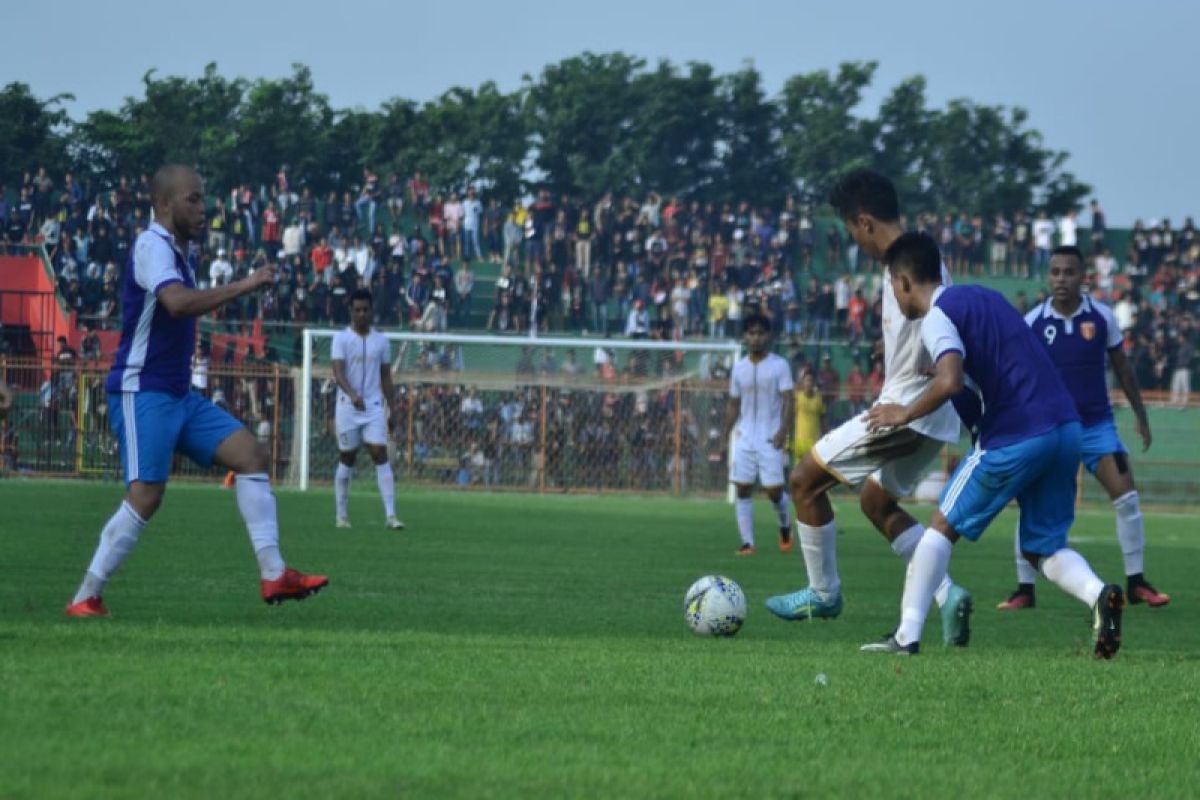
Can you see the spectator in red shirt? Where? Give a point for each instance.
(857, 313)
(856, 388)
(272, 230)
(322, 257)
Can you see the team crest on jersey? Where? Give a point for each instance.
(1087, 330)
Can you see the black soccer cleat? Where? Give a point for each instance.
(1107, 614)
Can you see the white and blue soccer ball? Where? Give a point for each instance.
(714, 606)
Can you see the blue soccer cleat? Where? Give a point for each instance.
(804, 604)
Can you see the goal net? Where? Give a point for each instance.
(533, 414)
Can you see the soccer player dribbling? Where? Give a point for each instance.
(760, 406)
(1028, 445)
(1078, 332)
(887, 464)
(363, 372)
(152, 411)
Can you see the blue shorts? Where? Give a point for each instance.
(152, 426)
(1098, 441)
(1039, 472)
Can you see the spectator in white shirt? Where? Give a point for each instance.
(1043, 241)
(220, 272)
(472, 211)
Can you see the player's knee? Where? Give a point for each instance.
(808, 480)
(145, 498)
(347, 457)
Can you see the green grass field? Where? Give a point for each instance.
(526, 646)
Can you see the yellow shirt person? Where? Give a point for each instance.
(810, 410)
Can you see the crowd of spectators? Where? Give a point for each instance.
(653, 266)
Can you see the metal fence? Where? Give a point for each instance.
(485, 432)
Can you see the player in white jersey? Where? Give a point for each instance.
(887, 464)
(761, 406)
(363, 371)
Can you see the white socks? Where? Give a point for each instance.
(819, 546)
(117, 540)
(387, 487)
(257, 505)
(926, 571)
(783, 510)
(341, 489)
(906, 544)
(744, 509)
(1025, 571)
(1073, 575)
(1130, 532)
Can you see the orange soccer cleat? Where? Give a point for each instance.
(89, 607)
(292, 585)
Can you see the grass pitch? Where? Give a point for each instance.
(520, 646)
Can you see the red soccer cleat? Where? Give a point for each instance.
(1145, 593)
(292, 585)
(745, 550)
(1017, 601)
(90, 607)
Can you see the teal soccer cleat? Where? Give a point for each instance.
(804, 604)
(956, 616)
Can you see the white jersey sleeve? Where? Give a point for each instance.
(940, 335)
(906, 365)
(1035, 314)
(1114, 337)
(154, 263)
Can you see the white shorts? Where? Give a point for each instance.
(355, 427)
(896, 459)
(758, 462)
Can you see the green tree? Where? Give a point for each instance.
(33, 133)
(581, 111)
(822, 137)
(177, 120)
(286, 122)
(752, 162)
(673, 133)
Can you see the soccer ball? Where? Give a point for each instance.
(714, 606)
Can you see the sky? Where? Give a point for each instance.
(1106, 81)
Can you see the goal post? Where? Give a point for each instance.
(534, 413)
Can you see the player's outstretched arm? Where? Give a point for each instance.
(947, 382)
(180, 301)
(1128, 381)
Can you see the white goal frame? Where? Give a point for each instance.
(731, 347)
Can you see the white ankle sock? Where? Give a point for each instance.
(819, 546)
(926, 572)
(783, 510)
(744, 510)
(1131, 532)
(906, 544)
(1072, 573)
(117, 540)
(257, 505)
(341, 489)
(387, 487)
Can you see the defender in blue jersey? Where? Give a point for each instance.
(1081, 335)
(1028, 445)
(154, 414)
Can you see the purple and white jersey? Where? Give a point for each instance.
(1020, 389)
(1079, 346)
(156, 349)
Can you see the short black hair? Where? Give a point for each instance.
(918, 255)
(362, 294)
(864, 191)
(756, 319)
(1068, 250)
